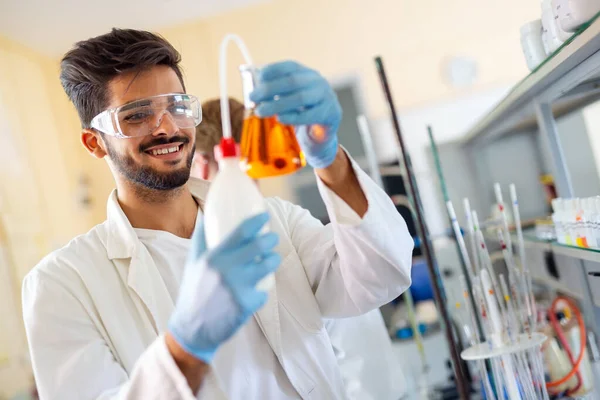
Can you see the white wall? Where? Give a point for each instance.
(449, 120)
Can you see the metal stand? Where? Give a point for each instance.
(436, 280)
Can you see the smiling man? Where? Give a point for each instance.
(138, 308)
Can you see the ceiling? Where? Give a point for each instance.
(51, 27)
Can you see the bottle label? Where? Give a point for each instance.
(569, 241)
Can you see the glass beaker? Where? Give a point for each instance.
(268, 147)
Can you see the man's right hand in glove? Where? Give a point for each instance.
(218, 293)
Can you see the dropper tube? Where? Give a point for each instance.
(225, 119)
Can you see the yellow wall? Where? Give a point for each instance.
(38, 170)
(341, 37)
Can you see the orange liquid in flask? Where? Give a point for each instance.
(269, 148)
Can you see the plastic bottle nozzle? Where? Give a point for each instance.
(227, 148)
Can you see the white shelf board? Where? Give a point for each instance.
(575, 64)
(575, 252)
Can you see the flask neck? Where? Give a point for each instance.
(247, 72)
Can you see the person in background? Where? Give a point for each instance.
(139, 308)
(361, 344)
(209, 134)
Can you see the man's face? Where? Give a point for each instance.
(135, 158)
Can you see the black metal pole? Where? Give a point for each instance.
(426, 246)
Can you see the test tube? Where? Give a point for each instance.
(487, 262)
(531, 297)
(527, 283)
(539, 362)
(459, 237)
(517, 220)
(509, 372)
(502, 209)
(480, 301)
(524, 376)
(474, 340)
(522, 369)
(513, 273)
(472, 240)
(511, 316)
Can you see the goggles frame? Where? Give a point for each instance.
(108, 123)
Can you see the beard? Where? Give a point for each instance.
(147, 176)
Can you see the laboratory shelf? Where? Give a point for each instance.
(580, 253)
(568, 80)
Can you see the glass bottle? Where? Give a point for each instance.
(268, 147)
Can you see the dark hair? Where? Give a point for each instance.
(210, 130)
(86, 70)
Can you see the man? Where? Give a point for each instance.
(136, 309)
(361, 344)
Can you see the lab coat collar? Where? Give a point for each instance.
(122, 239)
(123, 243)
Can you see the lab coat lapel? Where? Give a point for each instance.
(268, 320)
(145, 280)
(142, 275)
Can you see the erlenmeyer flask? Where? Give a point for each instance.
(268, 147)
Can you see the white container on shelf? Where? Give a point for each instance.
(551, 36)
(570, 222)
(558, 219)
(531, 42)
(571, 14)
(596, 221)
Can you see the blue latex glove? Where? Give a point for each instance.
(301, 96)
(218, 291)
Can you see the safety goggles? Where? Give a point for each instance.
(143, 117)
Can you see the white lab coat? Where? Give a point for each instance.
(96, 309)
(369, 366)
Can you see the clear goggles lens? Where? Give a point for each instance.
(143, 117)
